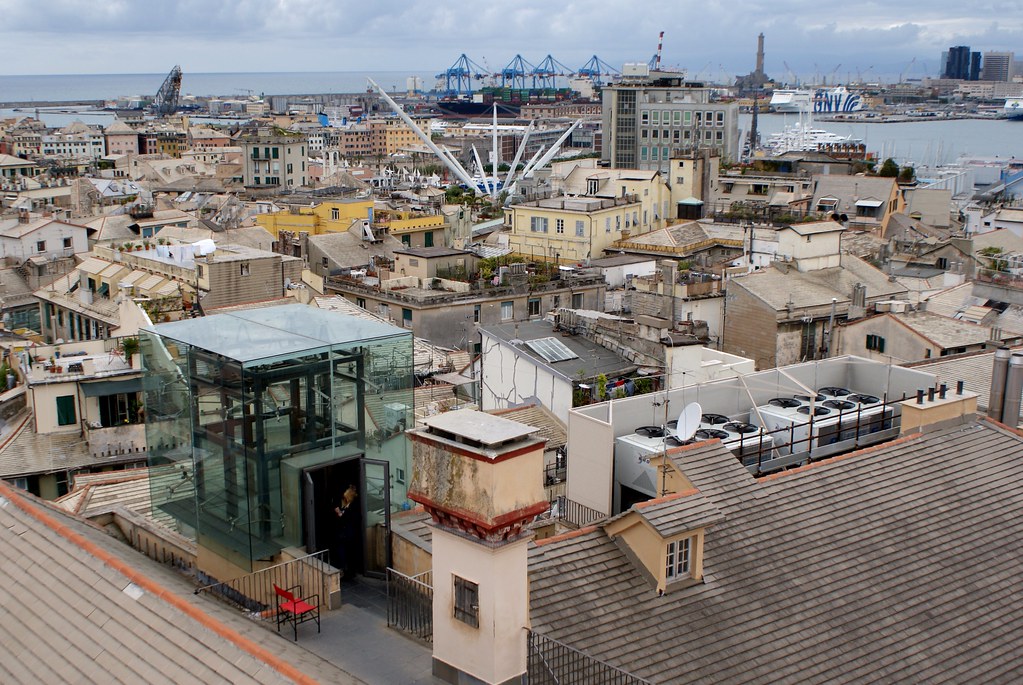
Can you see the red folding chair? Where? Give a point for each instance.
(293, 608)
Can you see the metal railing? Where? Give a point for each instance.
(255, 594)
(554, 663)
(568, 511)
(799, 443)
(410, 603)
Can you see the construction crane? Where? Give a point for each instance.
(833, 72)
(595, 69)
(909, 66)
(795, 79)
(655, 61)
(166, 100)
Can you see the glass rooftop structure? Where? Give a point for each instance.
(258, 420)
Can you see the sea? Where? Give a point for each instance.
(929, 142)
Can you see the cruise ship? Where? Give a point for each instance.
(1013, 108)
(820, 101)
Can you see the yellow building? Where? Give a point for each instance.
(649, 187)
(571, 229)
(327, 217)
(398, 136)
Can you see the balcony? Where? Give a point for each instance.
(116, 442)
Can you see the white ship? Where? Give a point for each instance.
(804, 137)
(820, 101)
(1013, 108)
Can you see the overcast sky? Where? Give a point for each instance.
(709, 39)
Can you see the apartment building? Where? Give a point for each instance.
(571, 229)
(274, 160)
(646, 120)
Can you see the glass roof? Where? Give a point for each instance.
(256, 334)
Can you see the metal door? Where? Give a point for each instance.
(376, 517)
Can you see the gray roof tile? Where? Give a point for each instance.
(895, 564)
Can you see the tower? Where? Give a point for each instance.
(479, 477)
(760, 55)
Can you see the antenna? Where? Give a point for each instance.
(688, 421)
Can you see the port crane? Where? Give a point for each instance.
(595, 68)
(166, 100)
(514, 75)
(546, 72)
(458, 77)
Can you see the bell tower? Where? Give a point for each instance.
(480, 478)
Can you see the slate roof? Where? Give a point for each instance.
(81, 607)
(943, 331)
(952, 301)
(675, 514)
(777, 286)
(552, 429)
(893, 564)
(25, 452)
(973, 368)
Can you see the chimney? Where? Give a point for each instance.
(937, 409)
(1013, 390)
(999, 373)
(669, 274)
(480, 478)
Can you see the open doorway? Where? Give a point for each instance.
(347, 511)
(326, 529)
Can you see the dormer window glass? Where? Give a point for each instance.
(677, 559)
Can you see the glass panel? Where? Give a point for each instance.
(231, 438)
(375, 516)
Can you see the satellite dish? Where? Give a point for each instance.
(688, 421)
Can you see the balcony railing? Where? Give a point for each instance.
(254, 593)
(410, 603)
(551, 662)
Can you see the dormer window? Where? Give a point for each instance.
(677, 559)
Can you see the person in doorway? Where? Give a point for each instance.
(347, 527)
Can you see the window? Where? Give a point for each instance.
(533, 307)
(244, 269)
(66, 410)
(676, 563)
(875, 343)
(607, 224)
(41, 246)
(406, 240)
(361, 302)
(406, 317)
(507, 311)
(67, 243)
(467, 601)
(559, 225)
(326, 262)
(580, 228)
(413, 262)
(428, 239)
(198, 270)
(335, 214)
(577, 300)
(657, 117)
(275, 152)
(476, 314)
(538, 224)
(676, 117)
(644, 117)
(687, 118)
(643, 153)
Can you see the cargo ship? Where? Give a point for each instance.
(509, 101)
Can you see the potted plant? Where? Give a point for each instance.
(129, 347)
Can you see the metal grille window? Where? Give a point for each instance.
(559, 225)
(677, 560)
(467, 601)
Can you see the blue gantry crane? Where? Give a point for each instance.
(545, 73)
(514, 75)
(596, 69)
(459, 76)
